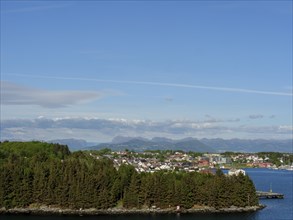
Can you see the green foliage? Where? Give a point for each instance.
(229, 153)
(276, 157)
(195, 154)
(48, 174)
(34, 148)
(102, 152)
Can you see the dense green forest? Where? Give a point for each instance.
(49, 174)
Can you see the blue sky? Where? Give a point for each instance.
(207, 68)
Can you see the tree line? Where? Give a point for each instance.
(49, 174)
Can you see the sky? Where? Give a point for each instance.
(94, 70)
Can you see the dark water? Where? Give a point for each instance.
(277, 209)
(281, 181)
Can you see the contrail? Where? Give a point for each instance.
(224, 89)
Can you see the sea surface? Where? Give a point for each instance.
(280, 181)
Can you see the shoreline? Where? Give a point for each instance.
(121, 211)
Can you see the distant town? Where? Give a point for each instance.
(152, 161)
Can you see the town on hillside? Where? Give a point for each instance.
(152, 161)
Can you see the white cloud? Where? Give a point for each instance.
(14, 94)
(100, 130)
(286, 128)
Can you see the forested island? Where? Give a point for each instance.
(37, 174)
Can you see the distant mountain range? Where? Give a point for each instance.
(142, 144)
(186, 144)
(256, 145)
(73, 144)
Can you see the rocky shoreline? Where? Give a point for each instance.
(44, 210)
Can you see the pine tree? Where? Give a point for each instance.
(131, 197)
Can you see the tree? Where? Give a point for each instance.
(131, 197)
(48, 174)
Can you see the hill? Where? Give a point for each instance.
(253, 146)
(142, 144)
(201, 145)
(186, 144)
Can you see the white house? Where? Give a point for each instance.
(236, 172)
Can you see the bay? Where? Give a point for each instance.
(280, 181)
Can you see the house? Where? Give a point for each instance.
(203, 163)
(265, 165)
(236, 172)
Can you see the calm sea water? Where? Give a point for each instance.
(277, 209)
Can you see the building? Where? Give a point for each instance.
(236, 172)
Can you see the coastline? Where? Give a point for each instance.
(120, 211)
